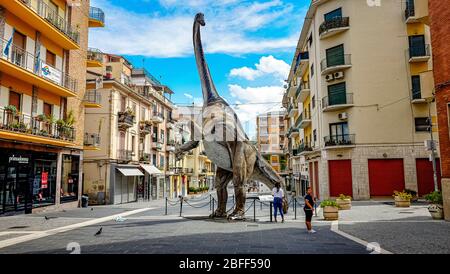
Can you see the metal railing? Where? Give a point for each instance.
(339, 140)
(416, 94)
(305, 115)
(337, 22)
(91, 139)
(158, 114)
(97, 14)
(144, 157)
(126, 119)
(339, 60)
(145, 127)
(328, 101)
(124, 155)
(302, 56)
(301, 87)
(31, 63)
(92, 96)
(94, 55)
(410, 10)
(26, 124)
(52, 16)
(303, 147)
(419, 51)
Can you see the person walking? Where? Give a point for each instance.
(278, 194)
(309, 209)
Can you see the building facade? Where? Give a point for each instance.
(129, 135)
(42, 75)
(359, 99)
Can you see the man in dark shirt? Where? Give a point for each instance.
(309, 208)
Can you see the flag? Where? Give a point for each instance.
(99, 82)
(37, 62)
(8, 44)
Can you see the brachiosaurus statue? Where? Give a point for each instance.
(225, 141)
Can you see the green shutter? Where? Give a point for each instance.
(335, 56)
(337, 94)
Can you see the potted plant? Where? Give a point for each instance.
(435, 208)
(344, 202)
(41, 118)
(413, 193)
(330, 210)
(402, 199)
(11, 109)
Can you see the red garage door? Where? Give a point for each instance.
(385, 176)
(425, 181)
(340, 177)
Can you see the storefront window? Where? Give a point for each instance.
(69, 178)
(44, 181)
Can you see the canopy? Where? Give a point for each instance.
(150, 169)
(130, 172)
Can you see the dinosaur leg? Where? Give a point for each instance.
(222, 179)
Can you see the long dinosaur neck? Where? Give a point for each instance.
(209, 90)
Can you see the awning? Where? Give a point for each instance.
(130, 172)
(151, 169)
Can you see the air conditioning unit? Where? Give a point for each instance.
(343, 116)
(329, 77)
(338, 75)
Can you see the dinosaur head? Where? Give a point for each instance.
(200, 19)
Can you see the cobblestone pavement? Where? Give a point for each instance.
(147, 230)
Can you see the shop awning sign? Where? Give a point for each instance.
(44, 180)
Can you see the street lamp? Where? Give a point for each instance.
(430, 100)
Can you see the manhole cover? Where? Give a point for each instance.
(17, 227)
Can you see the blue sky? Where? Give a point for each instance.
(249, 46)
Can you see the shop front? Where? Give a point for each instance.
(147, 188)
(125, 182)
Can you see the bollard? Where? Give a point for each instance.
(271, 205)
(166, 205)
(181, 205)
(213, 205)
(295, 208)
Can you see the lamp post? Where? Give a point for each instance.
(433, 146)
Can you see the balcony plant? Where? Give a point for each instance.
(436, 207)
(11, 109)
(330, 210)
(402, 199)
(344, 202)
(41, 118)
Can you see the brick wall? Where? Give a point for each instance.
(440, 35)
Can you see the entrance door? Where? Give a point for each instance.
(340, 177)
(425, 177)
(385, 176)
(16, 189)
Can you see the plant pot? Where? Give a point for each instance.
(330, 213)
(436, 211)
(344, 204)
(400, 202)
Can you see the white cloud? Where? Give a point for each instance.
(230, 28)
(188, 95)
(267, 65)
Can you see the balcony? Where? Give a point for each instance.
(338, 63)
(96, 18)
(125, 120)
(416, 11)
(92, 99)
(39, 15)
(303, 120)
(170, 146)
(419, 53)
(26, 67)
(91, 141)
(145, 128)
(188, 170)
(304, 148)
(157, 117)
(303, 91)
(21, 127)
(293, 132)
(334, 26)
(339, 141)
(292, 88)
(337, 102)
(144, 157)
(157, 145)
(292, 110)
(302, 63)
(417, 97)
(124, 155)
(94, 58)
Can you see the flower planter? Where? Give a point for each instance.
(436, 211)
(401, 202)
(330, 213)
(344, 204)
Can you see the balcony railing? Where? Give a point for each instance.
(188, 170)
(51, 15)
(31, 63)
(97, 14)
(302, 56)
(124, 155)
(126, 119)
(95, 55)
(92, 97)
(335, 23)
(157, 117)
(91, 139)
(144, 157)
(339, 140)
(410, 10)
(336, 61)
(335, 100)
(303, 86)
(145, 128)
(304, 147)
(305, 115)
(26, 124)
(416, 94)
(419, 51)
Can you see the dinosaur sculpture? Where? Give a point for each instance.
(225, 141)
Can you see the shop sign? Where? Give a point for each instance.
(51, 73)
(44, 180)
(19, 159)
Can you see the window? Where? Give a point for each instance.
(123, 103)
(154, 160)
(162, 136)
(18, 49)
(335, 56)
(337, 13)
(422, 124)
(50, 58)
(155, 134)
(143, 110)
(337, 94)
(315, 135)
(14, 99)
(161, 161)
(312, 70)
(339, 132)
(415, 81)
(70, 175)
(417, 46)
(122, 140)
(133, 144)
(47, 110)
(310, 39)
(313, 99)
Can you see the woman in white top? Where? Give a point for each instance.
(278, 194)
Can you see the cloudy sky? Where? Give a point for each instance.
(249, 46)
